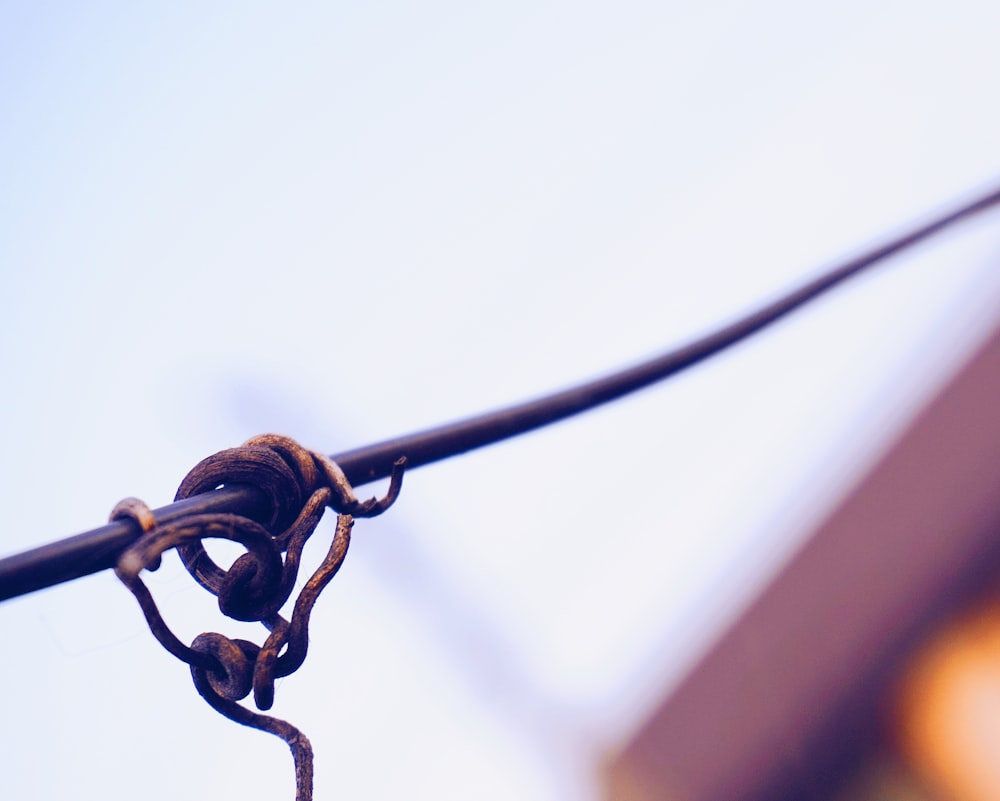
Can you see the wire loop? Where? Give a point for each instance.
(299, 485)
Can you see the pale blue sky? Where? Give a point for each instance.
(347, 223)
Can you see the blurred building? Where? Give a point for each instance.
(870, 667)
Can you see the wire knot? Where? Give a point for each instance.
(298, 486)
(233, 679)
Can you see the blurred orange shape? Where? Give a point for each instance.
(948, 710)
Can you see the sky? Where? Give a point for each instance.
(344, 223)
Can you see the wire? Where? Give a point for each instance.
(98, 549)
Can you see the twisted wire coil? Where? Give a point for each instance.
(299, 486)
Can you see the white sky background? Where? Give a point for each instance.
(344, 223)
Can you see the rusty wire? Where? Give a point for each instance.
(299, 486)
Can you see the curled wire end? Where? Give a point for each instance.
(375, 506)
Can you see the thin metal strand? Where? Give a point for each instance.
(97, 550)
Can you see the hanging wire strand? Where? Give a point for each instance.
(99, 549)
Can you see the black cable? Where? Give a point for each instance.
(98, 549)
